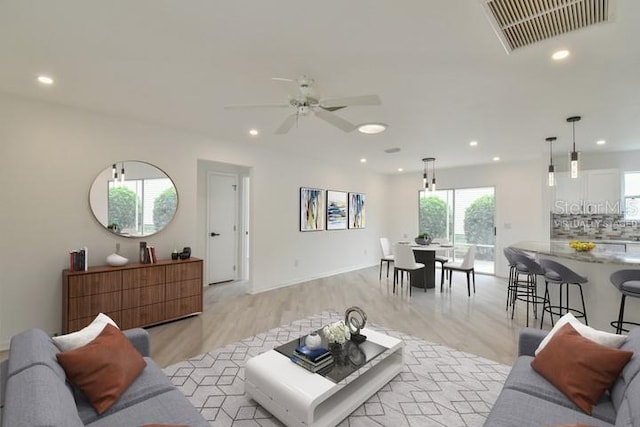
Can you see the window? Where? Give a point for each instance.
(463, 217)
(632, 195)
(141, 206)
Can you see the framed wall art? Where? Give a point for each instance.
(336, 210)
(357, 210)
(312, 211)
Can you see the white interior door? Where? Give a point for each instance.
(222, 237)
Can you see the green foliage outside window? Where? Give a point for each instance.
(433, 217)
(122, 208)
(478, 225)
(164, 207)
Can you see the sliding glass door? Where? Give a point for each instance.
(463, 217)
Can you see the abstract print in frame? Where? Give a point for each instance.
(356, 210)
(311, 209)
(336, 210)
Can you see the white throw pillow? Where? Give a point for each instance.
(83, 336)
(601, 337)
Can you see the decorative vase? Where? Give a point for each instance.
(313, 341)
(423, 241)
(116, 260)
(337, 351)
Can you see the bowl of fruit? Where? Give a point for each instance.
(581, 246)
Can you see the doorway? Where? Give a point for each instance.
(222, 227)
(464, 217)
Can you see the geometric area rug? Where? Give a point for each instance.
(438, 386)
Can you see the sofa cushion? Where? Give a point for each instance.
(579, 367)
(38, 397)
(150, 383)
(601, 337)
(31, 348)
(523, 378)
(515, 408)
(104, 368)
(169, 407)
(85, 335)
(630, 371)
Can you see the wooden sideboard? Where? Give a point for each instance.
(134, 295)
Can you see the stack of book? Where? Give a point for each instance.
(318, 360)
(79, 259)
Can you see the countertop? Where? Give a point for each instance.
(597, 255)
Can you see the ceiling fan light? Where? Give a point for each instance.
(372, 128)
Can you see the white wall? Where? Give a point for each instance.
(51, 154)
(522, 207)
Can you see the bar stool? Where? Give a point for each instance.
(554, 272)
(628, 283)
(527, 291)
(513, 275)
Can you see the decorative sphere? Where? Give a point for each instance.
(313, 341)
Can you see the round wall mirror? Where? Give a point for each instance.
(133, 199)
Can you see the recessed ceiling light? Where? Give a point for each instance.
(473, 143)
(45, 80)
(400, 169)
(253, 132)
(372, 128)
(560, 54)
(601, 142)
(496, 159)
(363, 160)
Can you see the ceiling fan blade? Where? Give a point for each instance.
(282, 79)
(239, 106)
(287, 124)
(351, 100)
(337, 121)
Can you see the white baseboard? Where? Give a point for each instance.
(312, 277)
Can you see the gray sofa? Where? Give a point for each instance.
(527, 399)
(34, 391)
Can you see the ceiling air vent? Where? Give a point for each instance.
(520, 23)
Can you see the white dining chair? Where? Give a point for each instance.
(466, 265)
(441, 259)
(405, 262)
(387, 255)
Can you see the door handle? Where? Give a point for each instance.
(214, 234)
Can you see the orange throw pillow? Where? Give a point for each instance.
(580, 368)
(104, 368)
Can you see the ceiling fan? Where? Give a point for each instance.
(306, 103)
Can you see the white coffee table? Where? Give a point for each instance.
(298, 397)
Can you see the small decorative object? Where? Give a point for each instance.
(355, 318)
(144, 257)
(423, 239)
(186, 253)
(113, 227)
(116, 260)
(313, 341)
(582, 246)
(175, 254)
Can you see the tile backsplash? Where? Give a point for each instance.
(594, 227)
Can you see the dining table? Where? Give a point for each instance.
(426, 254)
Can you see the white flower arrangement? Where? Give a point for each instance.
(336, 332)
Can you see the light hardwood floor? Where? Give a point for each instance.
(478, 324)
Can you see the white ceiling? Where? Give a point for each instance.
(441, 72)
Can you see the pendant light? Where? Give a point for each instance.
(114, 171)
(433, 180)
(425, 178)
(122, 173)
(573, 159)
(552, 175)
